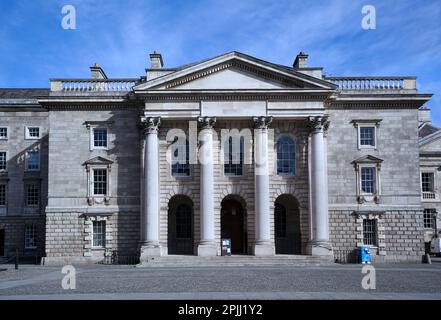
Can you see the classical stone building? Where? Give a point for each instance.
(279, 159)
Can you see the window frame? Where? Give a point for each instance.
(27, 161)
(34, 236)
(103, 233)
(6, 161)
(432, 212)
(26, 194)
(367, 123)
(175, 139)
(241, 163)
(92, 137)
(375, 182)
(375, 232)
(106, 194)
(27, 133)
(7, 133)
(276, 154)
(3, 207)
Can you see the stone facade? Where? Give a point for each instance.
(320, 210)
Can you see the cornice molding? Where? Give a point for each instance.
(233, 97)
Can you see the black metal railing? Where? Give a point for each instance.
(346, 256)
(117, 258)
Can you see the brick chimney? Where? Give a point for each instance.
(97, 72)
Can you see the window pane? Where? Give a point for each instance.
(33, 161)
(34, 132)
(367, 136)
(180, 157)
(30, 237)
(100, 182)
(183, 221)
(100, 137)
(368, 180)
(2, 160)
(32, 194)
(286, 156)
(233, 156)
(2, 194)
(427, 182)
(370, 232)
(99, 234)
(429, 218)
(3, 133)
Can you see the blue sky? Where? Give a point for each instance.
(119, 35)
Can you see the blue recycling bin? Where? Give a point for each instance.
(365, 254)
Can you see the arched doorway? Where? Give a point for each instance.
(233, 225)
(287, 225)
(180, 225)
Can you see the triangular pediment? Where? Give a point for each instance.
(367, 159)
(234, 71)
(98, 161)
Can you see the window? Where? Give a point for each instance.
(429, 218)
(99, 234)
(33, 160)
(2, 194)
(368, 180)
(427, 182)
(3, 133)
(183, 221)
(180, 157)
(367, 136)
(233, 157)
(32, 193)
(280, 220)
(32, 132)
(99, 182)
(2, 161)
(370, 232)
(100, 138)
(30, 237)
(286, 156)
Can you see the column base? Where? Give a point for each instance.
(149, 252)
(320, 248)
(264, 249)
(207, 250)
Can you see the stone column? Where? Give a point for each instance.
(207, 244)
(264, 245)
(319, 244)
(150, 191)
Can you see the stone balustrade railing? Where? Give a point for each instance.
(374, 83)
(92, 85)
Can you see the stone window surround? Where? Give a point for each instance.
(434, 171)
(433, 215)
(28, 137)
(168, 144)
(98, 199)
(6, 155)
(4, 208)
(359, 123)
(381, 238)
(31, 209)
(297, 153)
(370, 162)
(88, 234)
(91, 126)
(7, 133)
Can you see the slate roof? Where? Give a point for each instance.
(426, 130)
(22, 93)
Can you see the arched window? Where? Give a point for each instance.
(183, 221)
(286, 156)
(233, 157)
(280, 220)
(180, 157)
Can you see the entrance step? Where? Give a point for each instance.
(237, 261)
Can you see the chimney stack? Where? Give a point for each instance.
(97, 72)
(424, 116)
(156, 60)
(301, 61)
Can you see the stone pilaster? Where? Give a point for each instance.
(264, 245)
(319, 244)
(207, 244)
(150, 212)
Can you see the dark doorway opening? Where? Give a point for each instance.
(287, 225)
(233, 217)
(180, 225)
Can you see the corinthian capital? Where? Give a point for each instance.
(150, 124)
(262, 122)
(206, 122)
(318, 123)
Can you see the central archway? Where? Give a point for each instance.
(180, 225)
(233, 224)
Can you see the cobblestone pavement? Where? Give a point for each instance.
(398, 281)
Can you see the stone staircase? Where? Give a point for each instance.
(237, 261)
